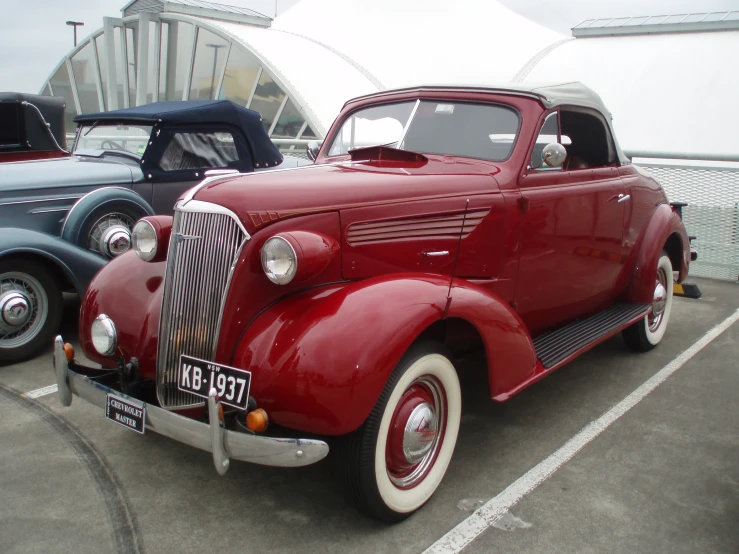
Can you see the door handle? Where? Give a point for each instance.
(620, 198)
(436, 254)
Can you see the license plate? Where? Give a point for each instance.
(199, 376)
(129, 413)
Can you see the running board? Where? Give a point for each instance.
(558, 344)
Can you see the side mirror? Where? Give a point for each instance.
(554, 154)
(312, 150)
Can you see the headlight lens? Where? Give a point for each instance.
(144, 240)
(104, 336)
(279, 261)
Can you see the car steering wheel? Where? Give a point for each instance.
(111, 145)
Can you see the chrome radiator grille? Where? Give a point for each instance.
(202, 251)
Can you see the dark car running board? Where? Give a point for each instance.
(558, 344)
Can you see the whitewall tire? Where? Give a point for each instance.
(395, 462)
(647, 333)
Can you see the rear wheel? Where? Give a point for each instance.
(394, 463)
(646, 333)
(30, 309)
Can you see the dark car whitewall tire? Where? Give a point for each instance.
(647, 333)
(394, 463)
(30, 307)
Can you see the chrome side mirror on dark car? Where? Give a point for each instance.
(312, 150)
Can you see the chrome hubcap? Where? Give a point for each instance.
(23, 308)
(416, 432)
(111, 235)
(15, 309)
(659, 301)
(420, 432)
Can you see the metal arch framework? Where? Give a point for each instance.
(143, 59)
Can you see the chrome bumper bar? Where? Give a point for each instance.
(211, 436)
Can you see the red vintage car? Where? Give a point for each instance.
(331, 300)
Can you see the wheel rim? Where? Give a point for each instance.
(659, 301)
(416, 432)
(111, 235)
(24, 307)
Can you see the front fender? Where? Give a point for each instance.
(79, 265)
(664, 223)
(321, 358)
(79, 213)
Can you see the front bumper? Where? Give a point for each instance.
(211, 437)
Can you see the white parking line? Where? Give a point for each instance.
(51, 389)
(485, 516)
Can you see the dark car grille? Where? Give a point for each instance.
(202, 251)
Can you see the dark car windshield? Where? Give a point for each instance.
(483, 131)
(129, 139)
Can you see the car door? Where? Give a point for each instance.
(572, 226)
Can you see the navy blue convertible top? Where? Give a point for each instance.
(199, 111)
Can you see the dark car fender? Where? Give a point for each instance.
(77, 264)
(665, 231)
(321, 358)
(85, 206)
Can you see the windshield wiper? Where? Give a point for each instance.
(91, 128)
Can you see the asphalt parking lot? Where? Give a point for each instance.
(664, 477)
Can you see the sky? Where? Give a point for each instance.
(34, 37)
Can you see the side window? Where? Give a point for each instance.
(549, 133)
(199, 151)
(591, 142)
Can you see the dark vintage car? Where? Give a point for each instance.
(31, 127)
(61, 220)
(332, 300)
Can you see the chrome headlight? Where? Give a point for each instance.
(144, 240)
(279, 261)
(104, 335)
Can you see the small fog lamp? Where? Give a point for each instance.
(279, 261)
(144, 240)
(104, 336)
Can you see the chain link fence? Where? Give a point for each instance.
(712, 214)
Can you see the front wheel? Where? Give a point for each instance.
(30, 309)
(646, 333)
(394, 463)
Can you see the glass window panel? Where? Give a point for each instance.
(199, 150)
(267, 99)
(62, 86)
(151, 75)
(210, 57)
(617, 22)
(675, 18)
(131, 53)
(694, 17)
(163, 45)
(308, 134)
(120, 67)
(549, 133)
(83, 67)
(289, 123)
(179, 51)
(47, 90)
(715, 16)
(126, 140)
(241, 73)
(103, 68)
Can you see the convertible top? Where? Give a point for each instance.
(23, 127)
(196, 112)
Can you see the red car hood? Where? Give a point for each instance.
(264, 197)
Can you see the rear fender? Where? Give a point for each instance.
(84, 207)
(78, 265)
(664, 223)
(321, 358)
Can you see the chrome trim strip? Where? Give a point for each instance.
(49, 211)
(40, 200)
(407, 125)
(198, 206)
(257, 449)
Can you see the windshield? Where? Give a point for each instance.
(482, 131)
(130, 140)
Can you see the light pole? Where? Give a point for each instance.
(75, 24)
(215, 48)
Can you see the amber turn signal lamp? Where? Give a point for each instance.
(257, 420)
(69, 351)
(220, 412)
